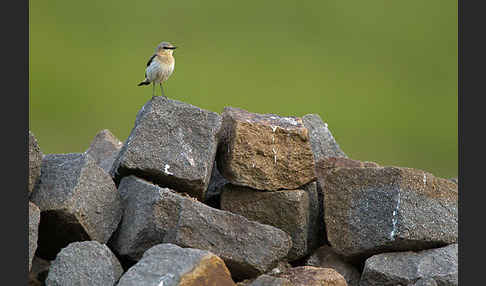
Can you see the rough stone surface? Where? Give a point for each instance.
(85, 263)
(172, 144)
(425, 282)
(313, 276)
(322, 142)
(34, 218)
(325, 165)
(287, 210)
(455, 180)
(35, 161)
(38, 272)
(326, 257)
(78, 201)
(154, 215)
(440, 264)
(267, 280)
(170, 265)
(265, 151)
(373, 210)
(104, 148)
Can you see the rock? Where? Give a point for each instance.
(374, 210)
(35, 161)
(104, 148)
(425, 282)
(326, 257)
(328, 164)
(287, 210)
(440, 264)
(216, 183)
(154, 215)
(78, 201)
(267, 280)
(322, 142)
(38, 272)
(313, 276)
(265, 151)
(455, 180)
(34, 218)
(85, 263)
(170, 265)
(172, 144)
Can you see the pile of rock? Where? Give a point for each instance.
(197, 198)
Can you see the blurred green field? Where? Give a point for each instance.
(383, 74)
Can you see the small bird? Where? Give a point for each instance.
(160, 66)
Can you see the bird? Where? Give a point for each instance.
(160, 66)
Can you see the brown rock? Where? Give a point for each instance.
(287, 210)
(313, 276)
(265, 151)
(170, 265)
(267, 280)
(326, 257)
(104, 148)
(373, 210)
(35, 161)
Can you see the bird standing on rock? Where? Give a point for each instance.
(160, 66)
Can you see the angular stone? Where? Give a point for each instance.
(425, 282)
(313, 276)
(322, 142)
(85, 263)
(267, 280)
(265, 151)
(287, 210)
(35, 161)
(154, 215)
(455, 180)
(104, 148)
(440, 264)
(373, 210)
(172, 144)
(327, 164)
(170, 265)
(326, 257)
(38, 272)
(34, 218)
(78, 201)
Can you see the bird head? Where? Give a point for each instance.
(165, 48)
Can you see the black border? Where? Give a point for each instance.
(15, 137)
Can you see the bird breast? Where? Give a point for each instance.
(160, 69)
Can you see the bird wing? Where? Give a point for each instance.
(151, 59)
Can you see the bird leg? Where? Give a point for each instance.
(162, 89)
(153, 89)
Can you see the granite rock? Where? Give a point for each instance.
(154, 215)
(78, 201)
(85, 263)
(313, 276)
(373, 210)
(287, 210)
(170, 265)
(322, 142)
(104, 148)
(406, 268)
(265, 151)
(34, 219)
(172, 144)
(35, 161)
(326, 257)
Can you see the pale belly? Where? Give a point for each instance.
(158, 73)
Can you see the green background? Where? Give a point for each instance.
(383, 74)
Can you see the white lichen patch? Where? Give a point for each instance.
(290, 120)
(425, 179)
(166, 169)
(274, 155)
(274, 128)
(395, 218)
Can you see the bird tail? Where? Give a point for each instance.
(144, 82)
